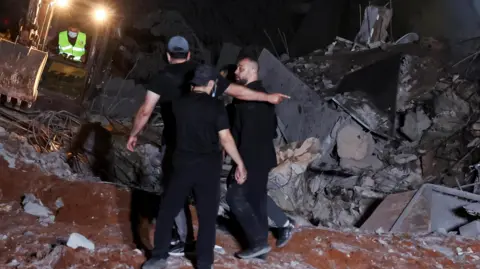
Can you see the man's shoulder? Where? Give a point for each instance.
(180, 68)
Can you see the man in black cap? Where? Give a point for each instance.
(170, 85)
(202, 129)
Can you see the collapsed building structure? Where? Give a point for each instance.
(369, 125)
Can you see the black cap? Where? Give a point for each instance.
(178, 44)
(203, 74)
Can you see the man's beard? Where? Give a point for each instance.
(242, 81)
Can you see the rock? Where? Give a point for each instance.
(293, 160)
(473, 209)
(449, 109)
(370, 162)
(415, 124)
(34, 207)
(36, 210)
(77, 240)
(59, 203)
(404, 158)
(353, 143)
(471, 229)
(5, 207)
(13, 263)
(366, 193)
(368, 182)
(3, 132)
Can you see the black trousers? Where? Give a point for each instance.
(183, 221)
(202, 174)
(248, 203)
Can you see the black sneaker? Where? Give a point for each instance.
(155, 263)
(253, 252)
(177, 250)
(284, 235)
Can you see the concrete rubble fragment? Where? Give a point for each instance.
(77, 240)
(471, 229)
(35, 207)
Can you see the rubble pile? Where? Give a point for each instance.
(434, 125)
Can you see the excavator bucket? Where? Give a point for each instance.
(20, 71)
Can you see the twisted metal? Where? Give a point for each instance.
(52, 130)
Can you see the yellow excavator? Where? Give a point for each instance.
(33, 77)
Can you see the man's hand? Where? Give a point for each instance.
(132, 142)
(83, 59)
(277, 98)
(240, 174)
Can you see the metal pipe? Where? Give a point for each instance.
(49, 21)
(43, 24)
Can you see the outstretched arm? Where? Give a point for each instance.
(244, 93)
(142, 117)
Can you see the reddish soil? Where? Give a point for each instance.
(101, 212)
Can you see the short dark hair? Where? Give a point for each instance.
(203, 74)
(178, 55)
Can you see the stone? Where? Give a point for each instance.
(36, 210)
(471, 229)
(3, 132)
(473, 209)
(368, 182)
(353, 143)
(370, 162)
(293, 160)
(59, 203)
(404, 158)
(77, 240)
(415, 124)
(34, 207)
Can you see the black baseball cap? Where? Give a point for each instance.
(178, 44)
(203, 74)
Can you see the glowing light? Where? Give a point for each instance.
(61, 3)
(101, 14)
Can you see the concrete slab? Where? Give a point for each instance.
(435, 207)
(388, 211)
(306, 114)
(471, 229)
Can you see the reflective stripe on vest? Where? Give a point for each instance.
(77, 50)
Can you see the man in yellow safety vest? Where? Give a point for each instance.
(72, 44)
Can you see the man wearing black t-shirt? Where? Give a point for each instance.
(202, 129)
(170, 85)
(254, 127)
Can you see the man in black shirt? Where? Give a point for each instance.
(170, 85)
(202, 129)
(254, 127)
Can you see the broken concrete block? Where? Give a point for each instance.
(471, 229)
(415, 124)
(374, 25)
(34, 207)
(404, 158)
(353, 143)
(370, 162)
(306, 114)
(77, 240)
(36, 210)
(473, 209)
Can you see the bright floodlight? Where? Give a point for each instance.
(61, 3)
(100, 14)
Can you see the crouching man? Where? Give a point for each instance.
(202, 129)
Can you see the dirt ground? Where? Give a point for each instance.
(102, 213)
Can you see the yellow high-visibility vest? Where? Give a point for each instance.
(77, 50)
